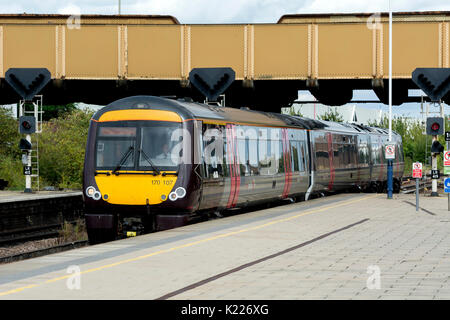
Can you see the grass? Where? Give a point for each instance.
(73, 231)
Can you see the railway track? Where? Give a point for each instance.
(43, 251)
(409, 184)
(39, 216)
(40, 233)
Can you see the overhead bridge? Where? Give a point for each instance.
(98, 58)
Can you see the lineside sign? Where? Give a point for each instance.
(417, 170)
(447, 158)
(390, 151)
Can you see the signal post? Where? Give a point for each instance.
(435, 82)
(27, 125)
(27, 82)
(435, 127)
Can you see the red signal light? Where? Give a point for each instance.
(435, 126)
(26, 125)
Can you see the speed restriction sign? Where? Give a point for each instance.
(390, 151)
(417, 170)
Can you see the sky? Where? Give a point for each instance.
(219, 11)
(234, 11)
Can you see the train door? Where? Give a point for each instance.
(321, 161)
(299, 155)
(214, 172)
(287, 163)
(353, 149)
(363, 160)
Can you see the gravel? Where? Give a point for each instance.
(18, 248)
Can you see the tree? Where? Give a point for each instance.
(9, 134)
(10, 162)
(294, 112)
(331, 115)
(61, 149)
(51, 111)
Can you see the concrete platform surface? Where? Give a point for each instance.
(16, 196)
(349, 246)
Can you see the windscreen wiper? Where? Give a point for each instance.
(124, 158)
(149, 161)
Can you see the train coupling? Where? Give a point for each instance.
(132, 227)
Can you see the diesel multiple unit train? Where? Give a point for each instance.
(153, 163)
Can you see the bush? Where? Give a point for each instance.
(9, 135)
(61, 149)
(11, 170)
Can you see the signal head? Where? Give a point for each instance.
(435, 126)
(27, 124)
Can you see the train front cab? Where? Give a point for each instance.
(131, 183)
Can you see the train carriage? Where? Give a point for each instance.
(153, 163)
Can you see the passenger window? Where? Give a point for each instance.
(302, 156)
(243, 157)
(212, 150)
(295, 154)
(253, 152)
(280, 155)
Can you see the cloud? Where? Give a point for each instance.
(70, 9)
(346, 6)
(11, 8)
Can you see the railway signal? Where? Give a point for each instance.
(212, 82)
(24, 145)
(435, 82)
(27, 124)
(435, 126)
(27, 82)
(436, 147)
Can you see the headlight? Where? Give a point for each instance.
(90, 191)
(181, 192)
(173, 196)
(97, 195)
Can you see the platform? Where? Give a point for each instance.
(18, 196)
(328, 248)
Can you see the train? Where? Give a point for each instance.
(155, 163)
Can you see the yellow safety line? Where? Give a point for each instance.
(340, 204)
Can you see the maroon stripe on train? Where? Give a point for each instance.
(238, 169)
(358, 177)
(284, 151)
(289, 162)
(230, 157)
(330, 159)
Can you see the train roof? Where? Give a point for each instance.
(217, 114)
